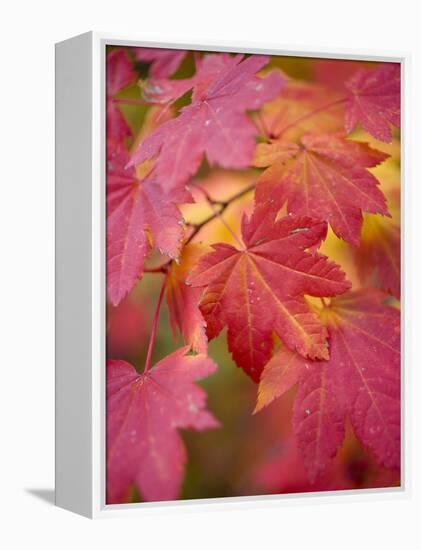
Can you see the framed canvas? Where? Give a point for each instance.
(229, 240)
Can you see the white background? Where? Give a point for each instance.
(28, 32)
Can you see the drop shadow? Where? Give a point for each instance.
(47, 495)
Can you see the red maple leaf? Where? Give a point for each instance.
(136, 205)
(143, 414)
(361, 379)
(323, 176)
(215, 123)
(318, 417)
(315, 398)
(164, 62)
(280, 374)
(302, 108)
(260, 288)
(183, 300)
(120, 74)
(374, 101)
(335, 73)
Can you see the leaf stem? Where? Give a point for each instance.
(157, 269)
(218, 214)
(155, 325)
(163, 268)
(260, 121)
(224, 206)
(131, 101)
(205, 193)
(308, 115)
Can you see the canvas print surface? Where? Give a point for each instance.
(253, 274)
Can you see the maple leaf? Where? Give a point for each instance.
(214, 123)
(260, 288)
(143, 414)
(302, 108)
(335, 73)
(365, 352)
(378, 257)
(120, 74)
(318, 417)
(323, 176)
(183, 300)
(280, 374)
(119, 70)
(136, 205)
(361, 379)
(374, 101)
(164, 62)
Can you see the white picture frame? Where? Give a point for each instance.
(80, 278)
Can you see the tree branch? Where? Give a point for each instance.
(197, 227)
(218, 213)
(224, 205)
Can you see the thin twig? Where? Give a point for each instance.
(197, 227)
(155, 325)
(205, 194)
(310, 114)
(218, 214)
(158, 269)
(131, 101)
(267, 134)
